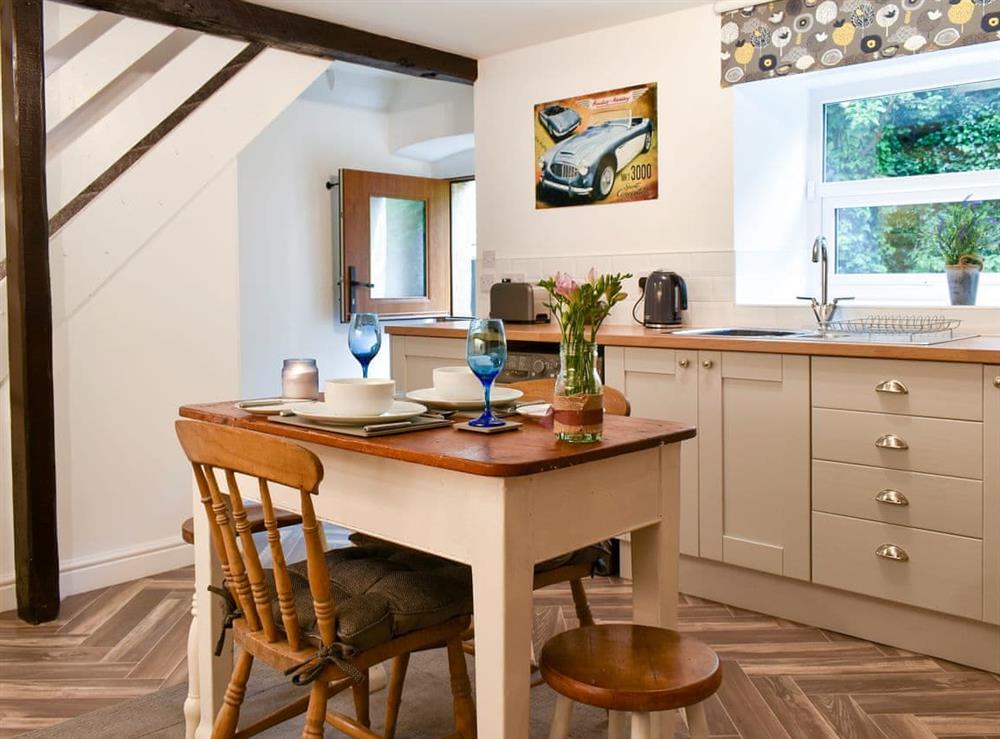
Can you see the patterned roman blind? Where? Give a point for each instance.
(776, 39)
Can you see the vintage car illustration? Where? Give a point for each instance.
(560, 122)
(588, 163)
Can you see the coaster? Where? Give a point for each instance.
(507, 426)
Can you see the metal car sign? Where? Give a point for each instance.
(598, 148)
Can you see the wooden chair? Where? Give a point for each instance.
(288, 617)
(192, 703)
(624, 667)
(574, 567)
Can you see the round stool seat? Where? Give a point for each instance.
(255, 517)
(625, 667)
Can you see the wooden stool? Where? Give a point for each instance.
(624, 667)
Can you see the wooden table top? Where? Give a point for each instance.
(979, 349)
(527, 451)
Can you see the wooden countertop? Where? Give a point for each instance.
(530, 450)
(979, 350)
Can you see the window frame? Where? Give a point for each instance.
(823, 198)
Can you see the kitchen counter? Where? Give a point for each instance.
(979, 350)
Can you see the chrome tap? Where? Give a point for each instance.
(822, 309)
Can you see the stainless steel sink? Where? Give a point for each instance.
(744, 333)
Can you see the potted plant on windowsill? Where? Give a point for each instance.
(964, 236)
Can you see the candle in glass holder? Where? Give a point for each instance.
(300, 379)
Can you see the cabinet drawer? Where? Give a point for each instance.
(943, 572)
(950, 504)
(935, 389)
(935, 445)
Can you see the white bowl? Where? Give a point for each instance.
(457, 383)
(354, 396)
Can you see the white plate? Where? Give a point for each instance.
(535, 410)
(273, 408)
(432, 399)
(322, 413)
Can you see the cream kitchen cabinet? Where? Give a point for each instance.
(663, 384)
(745, 477)
(413, 359)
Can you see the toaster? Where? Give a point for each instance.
(518, 302)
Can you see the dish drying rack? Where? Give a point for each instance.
(883, 327)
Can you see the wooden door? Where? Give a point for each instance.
(663, 384)
(396, 244)
(754, 461)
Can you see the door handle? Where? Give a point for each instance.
(892, 386)
(891, 441)
(893, 552)
(684, 363)
(892, 497)
(707, 364)
(352, 285)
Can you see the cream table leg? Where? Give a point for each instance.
(501, 587)
(655, 559)
(192, 704)
(212, 672)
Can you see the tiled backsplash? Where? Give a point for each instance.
(710, 278)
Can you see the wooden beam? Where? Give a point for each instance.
(298, 33)
(147, 142)
(29, 301)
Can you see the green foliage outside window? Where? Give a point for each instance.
(949, 129)
(916, 238)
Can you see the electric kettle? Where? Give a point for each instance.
(664, 297)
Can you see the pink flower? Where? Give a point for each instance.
(566, 285)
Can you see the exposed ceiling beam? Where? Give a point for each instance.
(298, 33)
(29, 316)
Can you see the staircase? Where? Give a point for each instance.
(144, 123)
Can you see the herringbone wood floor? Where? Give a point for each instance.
(782, 680)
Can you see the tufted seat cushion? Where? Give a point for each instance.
(589, 556)
(382, 592)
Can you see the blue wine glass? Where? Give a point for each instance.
(486, 352)
(364, 339)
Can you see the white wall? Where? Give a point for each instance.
(145, 316)
(160, 333)
(287, 306)
(689, 228)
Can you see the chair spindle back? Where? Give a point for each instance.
(233, 451)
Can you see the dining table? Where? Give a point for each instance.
(498, 502)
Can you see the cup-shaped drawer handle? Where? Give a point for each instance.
(893, 552)
(891, 441)
(892, 386)
(892, 497)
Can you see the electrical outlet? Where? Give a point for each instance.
(489, 259)
(486, 280)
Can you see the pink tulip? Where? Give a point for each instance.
(566, 285)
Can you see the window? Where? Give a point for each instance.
(894, 169)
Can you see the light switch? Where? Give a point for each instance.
(488, 259)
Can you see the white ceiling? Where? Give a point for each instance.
(480, 28)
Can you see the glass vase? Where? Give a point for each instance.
(578, 400)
